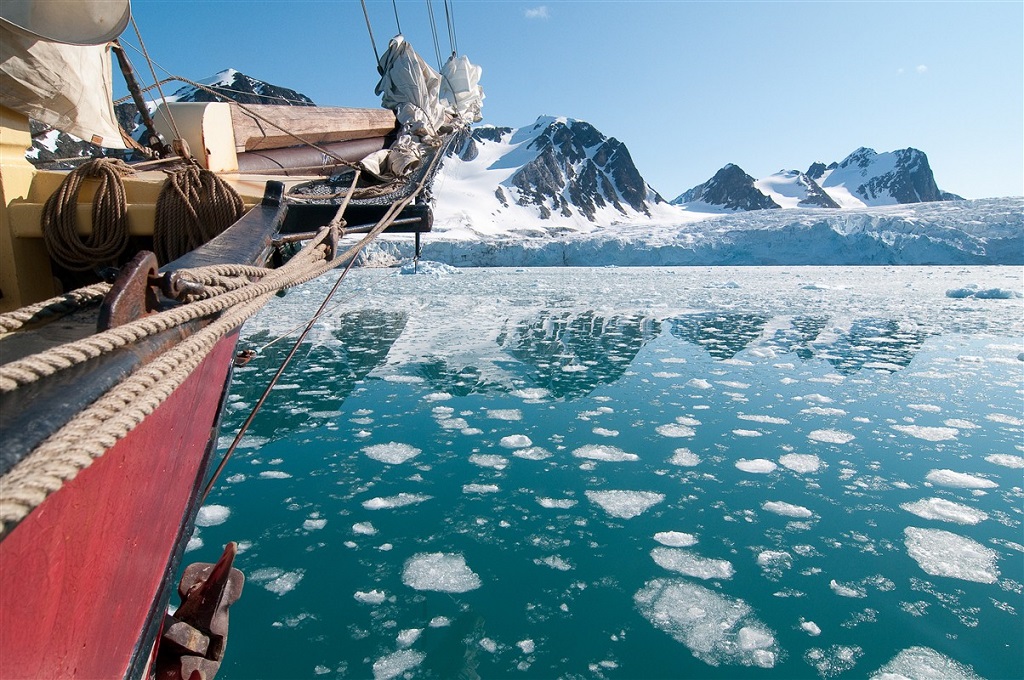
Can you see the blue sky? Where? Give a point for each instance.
(687, 85)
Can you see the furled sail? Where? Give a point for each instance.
(45, 77)
(460, 87)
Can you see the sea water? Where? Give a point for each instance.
(631, 473)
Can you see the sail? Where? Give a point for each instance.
(460, 87)
(68, 87)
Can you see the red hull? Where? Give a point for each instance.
(81, 576)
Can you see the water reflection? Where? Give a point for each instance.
(798, 336)
(571, 354)
(322, 374)
(881, 344)
(722, 335)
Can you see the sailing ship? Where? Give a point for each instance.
(123, 290)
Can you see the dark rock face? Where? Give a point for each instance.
(730, 188)
(579, 168)
(245, 90)
(816, 196)
(910, 181)
(816, 170)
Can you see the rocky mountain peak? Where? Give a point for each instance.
(730, 188)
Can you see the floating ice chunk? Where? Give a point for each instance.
(605, 432)
(408, 636)
(757, 465)
(689, 564)
(556, 503)
(441, 572)
(763, 419)
(274, 474)
(604, 453)
(924, 663)
(945, 511)
(684, 458)
(831, 436)
(277, 581)
(959, 480)
(1006, 460)
(364, 529)
(194, 543)
(930, 434)
(666, 374)
(371, 597)
(397, 663)
(555, 562)
(786, 509)
(973, 291)
(1005, 419)
(401, 500)
(837, 660)
(699, 383)
(505, 414)
(943, 553)
(440, 622)
(489, 645)
(715, 628)
(675, 539)
(533, 453)
(480, 488)
(847, 589)
(212, 515)
(747, 433)
(516, 441)
(313, 524)
(406, 379)
(625, 504)
(810, 627)
(531, 393)
(489, 460)
(437, 396)
(236, 478)
(675, 430)
(393, 453)
(775, 559)
(527, 646)
(801, 462)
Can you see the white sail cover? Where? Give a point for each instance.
(460, 87)
(410, 88)
(65, 86)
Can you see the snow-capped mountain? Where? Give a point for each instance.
(865, 178)
(731, 189)
(555, 173)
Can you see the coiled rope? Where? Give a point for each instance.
(194, 206)
(109, 235)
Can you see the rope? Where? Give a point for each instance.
(450, 17)
(152, 70)
(397, 22)
(433, 32)
(194, 206)
(110, 418)
(369, 30)
(109, 235)
(48, 310)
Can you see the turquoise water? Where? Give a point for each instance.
(631, 473)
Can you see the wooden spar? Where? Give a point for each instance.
(315, 124)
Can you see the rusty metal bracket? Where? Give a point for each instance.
(130, 296)
(195, 637)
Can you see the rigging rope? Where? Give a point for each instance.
(433, 32)
(394, 4)
(109, 235)
(369, 30)
(194, 206)
(156, 80)
(450, 17)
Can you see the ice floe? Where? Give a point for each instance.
(943, 553)
(532, 453)
(831, 436)
(604, 453)
(924, 663)
(397, 501)
(276, 580)
(441, 572)
(688, 563)
(212, 515)
(786, 509)
(515, 441)
(945, 511)
(397, 663)
(556, 503)
(675, 430)
(480, 488)
(930, 434)
(800, 462)
(370, 596)
(717, 629)
(364, 528)
(684, 458)
(489, 460)
(1006, 460)
(959, 480)
(393, 453)
(675, 539)
(625, 504)
(759, 466)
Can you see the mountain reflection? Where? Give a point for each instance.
(722, 335)
(880, 344)
(797, 338)
(321, 375)
(571, 354)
